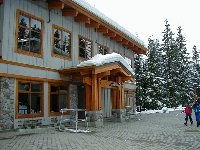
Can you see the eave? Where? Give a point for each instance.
(91, 20)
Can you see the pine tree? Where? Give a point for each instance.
(184, 92)
(155, 81)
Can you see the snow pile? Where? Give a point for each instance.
(163, 110)
(99, 60)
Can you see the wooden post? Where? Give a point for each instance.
(99, 92)
(94, 103)
(88, 97)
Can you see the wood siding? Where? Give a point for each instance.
(40, 10)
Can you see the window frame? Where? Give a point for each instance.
(31, 115)
(82, 58)
(40, 54)
(104, 47)
(70, 42)
(49, 101)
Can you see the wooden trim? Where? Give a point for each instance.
(36, 78)
(103, 22)
(40, 55)
(92, 24)
(52, 49)
(16, 104)
(69, 12)
(82, 18)
(80, 36)
(26, 65)
(55, 4)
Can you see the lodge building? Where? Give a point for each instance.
(41, 44)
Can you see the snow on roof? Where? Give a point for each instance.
(99, 14)
(99, 60)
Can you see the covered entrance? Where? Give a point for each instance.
(104, 89)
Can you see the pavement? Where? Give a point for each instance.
(143, 132)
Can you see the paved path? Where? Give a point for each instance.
(145, 132)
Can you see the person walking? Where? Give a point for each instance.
(197, 112)
(188, 114)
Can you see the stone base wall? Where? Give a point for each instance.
(118, 115)
(95, 118)
(7, 105)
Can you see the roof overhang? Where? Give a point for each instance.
(114, 70)
(85, 15)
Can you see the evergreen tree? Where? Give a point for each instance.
(184, 81)
(155, 81)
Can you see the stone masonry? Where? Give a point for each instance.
(7, 87)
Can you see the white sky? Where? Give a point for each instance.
(145, 18)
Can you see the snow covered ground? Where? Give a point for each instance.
(163, 110)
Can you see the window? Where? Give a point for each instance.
(85, 48)
(58, 98)
(29, 34)
(102, 49)
(29, 99)
(128, 60)
(61, 42)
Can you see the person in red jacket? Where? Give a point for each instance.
(188, 114)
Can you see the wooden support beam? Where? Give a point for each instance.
(69, 12)
(124, 42)
(94, 106)
(105, 83)
(82, 18)
(105, 68)
(115, 71)
(87, 80)
(92, 24)
(110, 34)
(83, 73)
(99, 95)
(123, 79)
(103, 74)
(114, 98)
(77, 77)
(88, 98)
(63, 75)
(55, 4)
(102, 29)
(117, 38)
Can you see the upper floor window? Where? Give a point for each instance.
(102, 49)
(29, 34)
(29, 99)
(128, 60)
(85, 48)
(61, 42)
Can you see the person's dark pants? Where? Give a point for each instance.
(186, 118)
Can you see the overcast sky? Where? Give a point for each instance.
(146, 17)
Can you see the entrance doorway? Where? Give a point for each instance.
(81, 100)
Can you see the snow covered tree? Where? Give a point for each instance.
(184, 71)
(155, 88)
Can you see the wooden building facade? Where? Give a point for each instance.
(41, 44)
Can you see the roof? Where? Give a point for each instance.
(83, 12)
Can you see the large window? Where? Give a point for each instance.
(102, 49)
(58, 98)
(85, 48)
(61, 42)
(29, 34)
(29, 99)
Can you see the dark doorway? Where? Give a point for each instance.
(81, 101)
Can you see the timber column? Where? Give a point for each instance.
(118, 111)
(93, 102)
